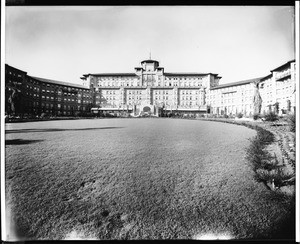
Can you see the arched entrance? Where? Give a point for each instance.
(146, 109)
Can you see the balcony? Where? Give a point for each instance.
(109, 87)
(283, 75)
(189, 87)
(193, 108)
(226, 92)
(154, 86)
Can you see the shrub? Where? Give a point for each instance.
(266, 167)
(240, 115)
(277, 175)
(271, 116)
(256, 116)
(276, 107)
(226, 116)
(43, 115)
(264, 137)
(292, 122)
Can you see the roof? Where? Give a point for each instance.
(149, 61)
(282, 66)
(112, 74)
(237, 83)
(266, 77)
(15, 68)
(187, 74)
(56, 82)
(143, 69)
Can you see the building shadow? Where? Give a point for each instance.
(57, 129)
(20, 142)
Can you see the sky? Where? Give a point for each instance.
(63, 43)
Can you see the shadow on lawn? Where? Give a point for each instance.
(286, 229)
(57, 129)
(20, 142)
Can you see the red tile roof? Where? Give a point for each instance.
(188, 74)
(284, 65)
(112, 74)
(149, 61)
(237, 83)
(8, 66)
(59, 82)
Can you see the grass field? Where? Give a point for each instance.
(137, 179)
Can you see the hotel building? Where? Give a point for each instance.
(279, 87)
(34, 95)
(233, 98)
(149, 90)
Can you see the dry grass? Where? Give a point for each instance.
(137, 179)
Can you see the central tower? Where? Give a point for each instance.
(149, 65)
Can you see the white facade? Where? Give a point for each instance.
(149, 86)
(279, 87)
(232, 98)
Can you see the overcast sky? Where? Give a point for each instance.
(62, 43)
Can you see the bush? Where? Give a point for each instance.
(292, 122)
(239, 115)
(276, 107)
(277, 175)
(271, 116)
(43, 115)
(266, 167)
(256, 116)
(264, 137)
(225, 116)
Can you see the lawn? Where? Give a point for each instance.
(136, 179)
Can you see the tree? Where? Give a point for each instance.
(276, 107)
(288, 105)
(270, 107)
(13, 98)
(257, 101)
